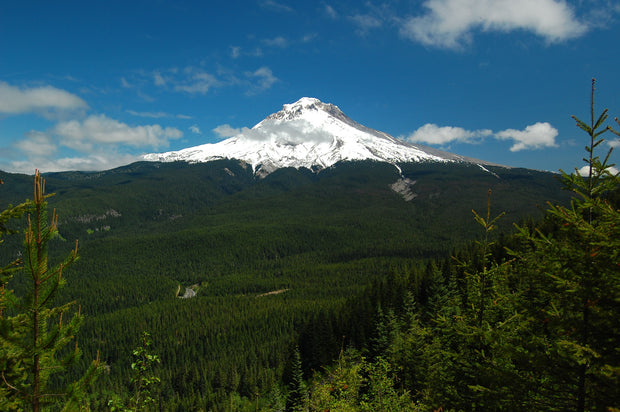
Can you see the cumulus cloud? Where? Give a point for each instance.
(195, 129)
(585, 171)
(97, 161)
(45, 99)
(37, 144)
(451, 23)
(99, 129)
(292, 132)
(226, 130)
(96, 143)
(432, 134)
(536, 136)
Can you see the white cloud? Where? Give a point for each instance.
(195, 129)
(103, 160)
(235, 52)
(293, 132)
(83, 135)
(433, 134)
(153, 115)
(309, 37)
(157, 115)
(585, 171)
(276, 6)
(226, 130)
(196, 81)
(264, 80)
(278, 41)
(614, 143)
(331, 12)
(100, 143)
(37, 144)
(535, 136)
(451, 23)
(45, 99)
(365, 23)
(158, 79)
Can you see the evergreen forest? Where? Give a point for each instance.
(201, 287)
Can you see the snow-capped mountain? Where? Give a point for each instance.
(310, 134)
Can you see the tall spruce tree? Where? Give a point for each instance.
(35, 340)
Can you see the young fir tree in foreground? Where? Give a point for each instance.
(574, 288)
(37, 340)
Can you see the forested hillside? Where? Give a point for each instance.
(297, 265)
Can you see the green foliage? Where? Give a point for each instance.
(526, 322)
(297, 388)
(574, 275)
(34, 339)
(354, 384)
(144, 381)
(295, 257)
(11, 367)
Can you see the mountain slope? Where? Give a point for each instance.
(149, 230)
(309, 134)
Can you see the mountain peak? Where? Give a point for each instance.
(303, 102)
(303, 106)
(309, 134)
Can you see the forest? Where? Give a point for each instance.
(312, 291)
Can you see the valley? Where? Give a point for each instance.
(309, 244)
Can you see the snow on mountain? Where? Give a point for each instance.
(310, 134)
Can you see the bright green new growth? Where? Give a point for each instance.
(144, 381)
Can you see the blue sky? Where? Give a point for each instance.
(91, 85)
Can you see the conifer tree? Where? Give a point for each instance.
(297, 387)
(574, 290)
(479, 333)
(11, 368)
(38, 336)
